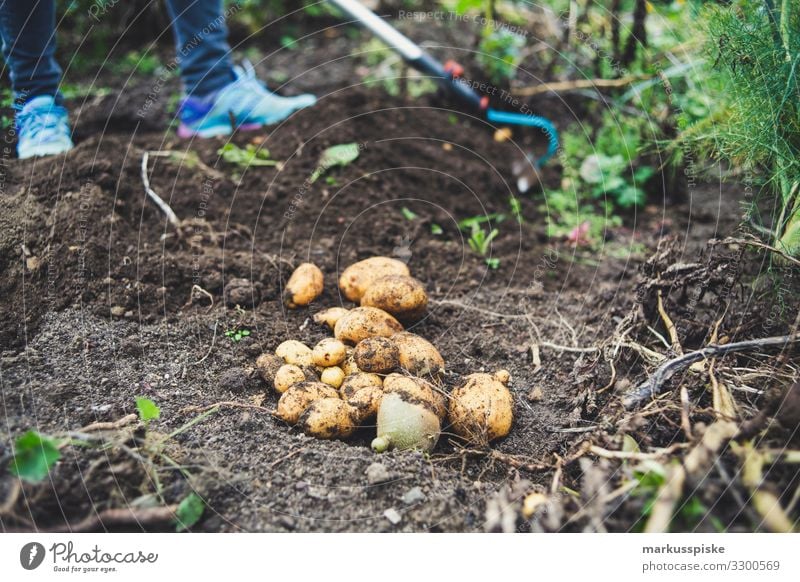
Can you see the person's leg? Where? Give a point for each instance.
(27, 28)
(201, 44)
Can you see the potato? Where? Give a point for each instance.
(399, 295)
(328, 418)
(332, 376)
(330, 316)
(294, 352)
(363, 322)
(305, 285)
(365, 403)
(329, 352)
(359, 276)
(418, 356)
(404, 423)
(502, 376)
(268, 365)
(376, 354)
(481, 409)
(288, 375)
(297, 398)
(356, 382)
(417, 389)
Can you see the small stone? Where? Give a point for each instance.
(118, 311)
(393, 516)
(377, 473)
(413, 495)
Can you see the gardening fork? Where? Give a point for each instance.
(449, 75)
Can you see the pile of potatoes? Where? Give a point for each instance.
(372, 370)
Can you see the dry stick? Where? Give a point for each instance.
(654, 385)
(764, 500)
(163, 206)
(755, 243)
(122, 422)
(668, 323)
(148, 516)
(564, 86)
(228, 403)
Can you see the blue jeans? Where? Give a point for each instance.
(27, 28)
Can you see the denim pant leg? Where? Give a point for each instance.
(27, 28)
(202, 50)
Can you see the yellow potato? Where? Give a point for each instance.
(365, 403)
(376, 354)
(417, 355)
(305, 285)
(297, 398)
(329, 352)
(405, 423)
(294, 352)
(332, 376)
(268, 365)
(328, 418)
(359, 276)
(357, 382)
(481, 409)
(288, 375)
(399, 295)
(363, 322)
(330, 316)
(417, 389)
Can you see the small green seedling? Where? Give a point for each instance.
(34, 456)
(251, 155)
(479, 240)
(338, 155)
(331, 181)
(516, 208)
(436, 229)
(408, 214)
(147, 410)
(237, 335)
(493, 263)
(189, 511)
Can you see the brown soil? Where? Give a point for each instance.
(99, 303)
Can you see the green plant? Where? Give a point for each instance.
(251, 155)
(237, 335)
(388, 71)
(147, 410)
(408, 214)
(34, 456)
(499, 53)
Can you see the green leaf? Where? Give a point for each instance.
(189, 511)
(147, 409)
(34, 455)
(436, 229)
(407, 213)
(338, 155)
(252, 155)
(493, 263)
(630, 196)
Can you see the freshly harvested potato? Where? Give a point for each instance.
(328, 418)
(399, 295)
(330, 316)
(418, 356)
(359, 276)
(305, 285)
(333, 376)
(405, 423)
(502, 376)
(481, 409)
(416, 390)
(329, 352)
(288, 375)
(268, 365)
(365, 403)
(349, 365)
(294, 352)
(357, 382)
(376, 354)
(298, 397)
(363, 322)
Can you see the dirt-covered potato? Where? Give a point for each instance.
(288, 375)
(305, 285)
(330, 316)
(268, 365)
(349, 365)
(363, 322)
(400, 295)
(356, 382)
(417, 355)
(359, 276)
(328, 418)
(333, 376)
(294, 352)
(417, 389)
(298, 397)
(329, 352)
(481, 409)
(365, 403)
(405, 423)
(376, 354)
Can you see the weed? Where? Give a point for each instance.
(34, 456)
(237, 335)
(251, 155)
(408, 214)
